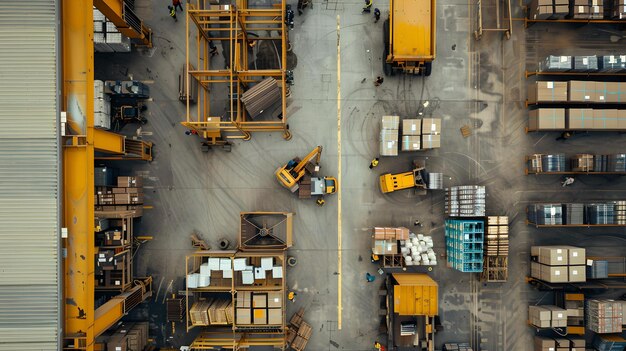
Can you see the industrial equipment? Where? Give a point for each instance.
(254, 42)
(411, 302)
(418, 178)
(293, 176)
(409, 37)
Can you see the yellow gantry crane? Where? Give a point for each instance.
(82, 321)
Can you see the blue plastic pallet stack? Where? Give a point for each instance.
(464, 244)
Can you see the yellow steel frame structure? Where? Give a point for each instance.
(125, 20)
(82, 322)
(241, 341)
(234, 24)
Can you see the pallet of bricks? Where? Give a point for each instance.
(299, 332)
(558, 264)
(121, 198)
(127, 337)
(569, 343)
(604, 316)
(496, 249)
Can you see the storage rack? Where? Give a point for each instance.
(506, 16)
(241, 29)
(559, 212)
(534, 165)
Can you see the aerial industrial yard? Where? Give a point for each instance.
(312, 175)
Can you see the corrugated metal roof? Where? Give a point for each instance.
(29, 176)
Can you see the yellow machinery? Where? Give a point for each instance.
(412, 304)
(409, 37)
(242, 31)
(418, 178)
(82, 321)
(289, 174)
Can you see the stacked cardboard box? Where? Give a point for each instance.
(260, 308)
(546, 119)
(221, 312)
(543, 343)
(198, 313)
(541, 9)
(596, 119)
(411, 134)
(581, 91)
(547, 316)
(597, 9)
(127, 337)
(497, 238)
(385, 240)
(547, 92)
(389, 135)
(111, 201)
(619, 9)
(561, 9)
(431, 133)
(604, 316)
(558, 264)
(581, 8)
(582, 163)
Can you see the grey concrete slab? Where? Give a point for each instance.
(479, 84)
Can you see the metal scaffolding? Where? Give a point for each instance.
(241, 31)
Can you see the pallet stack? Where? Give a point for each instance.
(299, 332)
(547, 316)
(558, 264)
(464, 244)
(126, 195)
(259, 308)
(497, 238)
(431, 133)
(604, 316)
(389, 135)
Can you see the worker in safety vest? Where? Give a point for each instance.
(378, 346)
(292, 296)
(368, 6)
(320, 202)
(374, 163)
(375, 258)
(172, 13)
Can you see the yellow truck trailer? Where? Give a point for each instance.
(409, 37)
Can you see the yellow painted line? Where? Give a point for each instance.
(148, 207)
(338, 179)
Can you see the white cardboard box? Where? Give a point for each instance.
(259, 273)
(277, 272)
(239, 264)
(267, 263)
(247, 277)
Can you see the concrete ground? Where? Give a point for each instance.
(475, 83)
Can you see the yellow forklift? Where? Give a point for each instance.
(418, 178)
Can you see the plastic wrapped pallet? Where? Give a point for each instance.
(574, 213)
(600, 213)
(585, 63)
(604, 316)
(553, 163)
(556, 64)
(582, 163)
(613, 63)
(599, 269)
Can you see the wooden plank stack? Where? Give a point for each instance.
(497, 238)
(261, 96)
(299, 332)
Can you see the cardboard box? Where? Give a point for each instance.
(613, 92)
(539, 313)
(389, 142)
(581, 91)
(274, 299)
(379, 233)
(385, 247)
(535, 270)
(561, 10)
(431, 141)
(621, 119)
(390, 122)
(402, 233)
(259, 300)
(602, 90)
(553, 256)
(411, 143)
(274, 316)
(243, 316)
(243, 299)
(431, 126)
(604, 119)
(557, 313)
(577, 274)
(554, 274)
(411, 127)
(579, 118)
(534, 250)
(547, 92)
(576, 255)
(546, 119)
(541, 12)
(129, 182)
(259, 316)
(544, 344)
